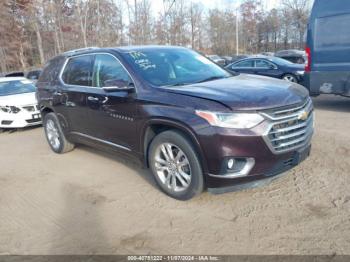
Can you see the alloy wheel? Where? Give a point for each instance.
(172, 167)
(52, 134)
(290, 78)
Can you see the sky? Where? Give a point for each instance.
(157, 5)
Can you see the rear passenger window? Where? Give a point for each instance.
(332, 32)
(78, 71)
(108, 72)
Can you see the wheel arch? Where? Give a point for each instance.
(156, 126)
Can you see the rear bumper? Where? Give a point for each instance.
(336, 82)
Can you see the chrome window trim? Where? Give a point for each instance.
(90, 54)
(101, 140)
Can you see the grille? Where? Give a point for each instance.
(30, 121)
(29, 108)
(290, 128)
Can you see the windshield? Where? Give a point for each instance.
(16, 87)
(170, 67)
(280, 61)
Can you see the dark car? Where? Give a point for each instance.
(328, 48)
(34, 74)
(269, 66)
(236, 58)
(294, 56)
(194, 124)
(217, 59)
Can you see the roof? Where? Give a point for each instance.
(130, 48)
(8, 79)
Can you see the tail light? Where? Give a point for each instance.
(308, 61)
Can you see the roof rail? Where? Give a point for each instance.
(80, 50)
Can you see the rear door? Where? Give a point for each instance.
(77, 81)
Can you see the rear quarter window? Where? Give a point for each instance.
(332, 32)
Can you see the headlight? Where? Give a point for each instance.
(14, 109)
(231, 120)
(300, 72)
(10, 109)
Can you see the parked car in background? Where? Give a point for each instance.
(14, 74)
(192, 122)
(267, 53)
(34, 74)
(18, 105)
(217, 59)
(294, 56)
(269, 66)
(238, 57)
(228, 59)
(328, 48)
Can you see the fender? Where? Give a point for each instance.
(175, 124)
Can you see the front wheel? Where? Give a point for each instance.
(290, 78)
(176, 166)
(54, 135)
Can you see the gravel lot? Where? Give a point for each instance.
(88, 202)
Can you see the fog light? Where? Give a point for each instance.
(230, 163)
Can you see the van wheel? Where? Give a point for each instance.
(54, 135)
(290, 78)
(175, 165)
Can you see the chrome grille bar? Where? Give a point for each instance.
(289, 128)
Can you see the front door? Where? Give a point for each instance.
(111, 114)
(266, 68)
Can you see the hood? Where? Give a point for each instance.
(246, 92)
(18, 100)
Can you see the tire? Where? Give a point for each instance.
(183, 167)
(54, 135)
(290, 78)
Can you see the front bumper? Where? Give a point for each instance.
(276, 145)
(20, 119)
(253, 181)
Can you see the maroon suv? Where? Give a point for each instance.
(194, 124)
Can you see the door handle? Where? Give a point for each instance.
(93, 99)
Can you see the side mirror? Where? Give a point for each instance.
(117, 85)
(273, 67)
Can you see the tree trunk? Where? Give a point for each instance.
(39, 42)
(22, 58)
(3, 66)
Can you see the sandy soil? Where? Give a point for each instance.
(88, 202)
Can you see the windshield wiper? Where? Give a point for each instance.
(212, 78)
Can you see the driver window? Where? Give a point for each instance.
(262, 64)
(109, 72)
(244, 64)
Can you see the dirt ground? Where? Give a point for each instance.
(88, 202)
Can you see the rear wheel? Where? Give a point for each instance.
(54, 135)
(290, 78)
(175, 165)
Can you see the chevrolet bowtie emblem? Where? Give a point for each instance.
(303, 115)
